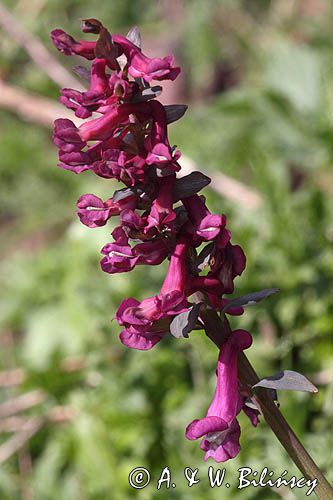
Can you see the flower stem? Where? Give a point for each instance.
(283, 431)
(218, 330)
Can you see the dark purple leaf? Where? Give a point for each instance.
(181, 217)
(144, 200)
(174, 112)
(189, 185)
(121, 194)
(147, 94)
(287, 380)
(183, 323)
(162, 171)
(250, 299)
(105, 48)
(134, 36)
(142, 83)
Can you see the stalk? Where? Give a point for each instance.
(218, 329)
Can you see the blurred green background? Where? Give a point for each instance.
(258, 78)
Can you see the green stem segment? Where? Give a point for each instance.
(218, 330)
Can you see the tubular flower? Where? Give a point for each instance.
(141, 66)
(147, 322)
(220, 429)
(124, 137)
(93, 212)
(205, 225)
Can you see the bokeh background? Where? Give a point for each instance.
(78, 410)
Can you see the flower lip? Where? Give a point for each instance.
(139, 341)
(211, 425)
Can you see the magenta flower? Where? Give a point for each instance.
(151, 253)
(119, 257)
(141, 66)
(162, 214)
(66, 136)
(219, 429)
(93, 212)
(125, 167)
(205, 224)
(104, 92)
(229, 263)
(84, 103)
(160, 152)
(79, 161)
(147, 322)
(251, 413)
(127, 140)
(101, 129)
(68, 46)
(163, 156)
(70, 138)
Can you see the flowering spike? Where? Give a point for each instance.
(127, 140)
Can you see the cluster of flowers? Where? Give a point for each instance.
(161, 215)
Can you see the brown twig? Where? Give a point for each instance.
(56, 415)
(36, 50)
(26, 427)
(12, 424)
(21, 403)
(283, 431)
(32, 108)
(44, 111)
(16, 376)
(25, 468)
(18, 440)
(8, 378)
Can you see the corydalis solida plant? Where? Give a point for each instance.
(161, 215)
